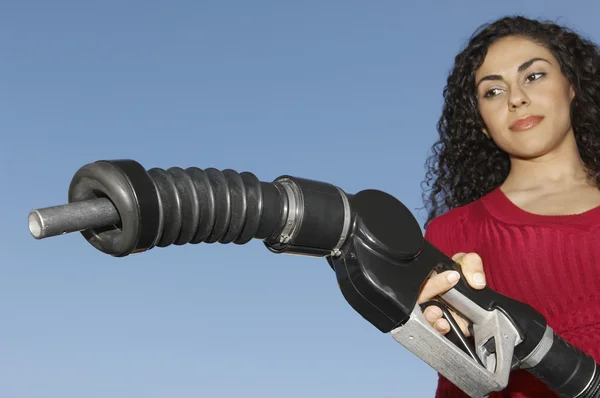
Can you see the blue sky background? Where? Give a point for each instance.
(346, 92)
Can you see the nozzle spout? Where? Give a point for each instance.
(72, 217)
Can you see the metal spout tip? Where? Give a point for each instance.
(36, 225)
(72, 217)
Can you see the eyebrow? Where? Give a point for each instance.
(521, 68)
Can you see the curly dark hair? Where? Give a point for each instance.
(464, 164)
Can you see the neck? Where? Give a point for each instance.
(557, 169)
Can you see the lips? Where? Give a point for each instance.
(526, 123)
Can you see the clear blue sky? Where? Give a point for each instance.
(346, 92)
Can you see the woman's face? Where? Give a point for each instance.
(523, 98)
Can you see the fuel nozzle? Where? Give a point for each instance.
(122, 209)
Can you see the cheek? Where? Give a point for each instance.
(567, 99)
(560, 106)
(492, 117)
(555, 95)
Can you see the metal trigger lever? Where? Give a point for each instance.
(457, 336)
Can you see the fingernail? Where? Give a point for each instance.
(479, 279)
(432, 314)
(453, 276)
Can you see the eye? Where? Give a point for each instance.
(534, 76)
(492, 93)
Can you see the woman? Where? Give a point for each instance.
(515, 180)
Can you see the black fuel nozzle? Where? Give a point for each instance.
(122, 209)
(371, 240)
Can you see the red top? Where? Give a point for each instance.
(549, 262)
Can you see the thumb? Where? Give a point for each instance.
(472, 268)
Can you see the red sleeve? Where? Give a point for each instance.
(445, 389)
(448, 233)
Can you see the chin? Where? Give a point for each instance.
(526, 151)
(529, 152)
(532, 144)
(526, 155)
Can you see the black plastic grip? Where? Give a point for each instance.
(208, 206)
(177, 206)
(567, 370)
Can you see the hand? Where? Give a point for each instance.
(438, 284)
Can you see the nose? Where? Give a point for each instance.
(517, 98)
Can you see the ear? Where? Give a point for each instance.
(571, 92)
(485, 132)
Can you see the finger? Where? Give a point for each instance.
(462, 323)
(438, 284)
(442, 326)
(472, 268)
(432, 314)
(464, 326)
(458, 256)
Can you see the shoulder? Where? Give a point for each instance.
(453, 220)
(455, 230)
